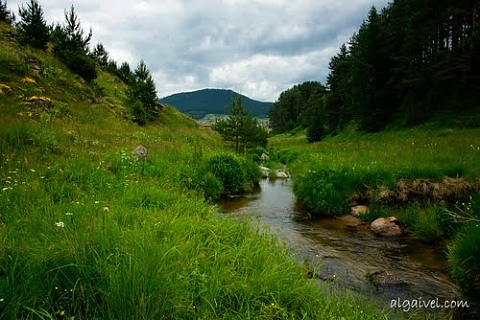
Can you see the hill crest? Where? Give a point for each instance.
(201, 102)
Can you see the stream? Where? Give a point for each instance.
(343, 250)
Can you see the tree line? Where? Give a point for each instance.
(413, 60)
(71, 45)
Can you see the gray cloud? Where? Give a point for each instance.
(256, 47)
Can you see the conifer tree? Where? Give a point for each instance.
(142, 95)
(71, 46)
(125, 73)
(241, 128)
(100, 55)
(5, 14)
(32, 28)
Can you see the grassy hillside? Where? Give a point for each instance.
(213, 101)
(89, 231)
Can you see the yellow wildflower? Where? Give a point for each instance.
(4, 88)
(28, 79)
(35, 98)
(29, 113)
(20, 114)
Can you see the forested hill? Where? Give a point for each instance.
(213, 101)
(413, 62)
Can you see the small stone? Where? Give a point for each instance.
(282, 174)
(141, 152)
(386, 227)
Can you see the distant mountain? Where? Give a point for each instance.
(213, 101)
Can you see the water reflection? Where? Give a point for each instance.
(344, 249)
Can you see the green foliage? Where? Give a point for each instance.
(286, 156)
(317, 191)
(430, 223)
(5, 14)
(100, 55)
(227, 168)
(251, 173)
(316, 129)
(142, 96)
(241, 128)
(71, 46)
(406, 65)
(32, 28)
(464, 255)
(125, 73)
(295, 106)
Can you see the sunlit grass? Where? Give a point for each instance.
(406, 154)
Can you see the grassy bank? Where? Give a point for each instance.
(427, 177)
(89, 231)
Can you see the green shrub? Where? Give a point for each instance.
(227, 168)
(256, 154)
(317, 192)
(375, 212)
(464, 255)
(251, 172)
(198, 178)
(286, 156)
(428, 224)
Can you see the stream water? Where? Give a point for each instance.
(344, 250)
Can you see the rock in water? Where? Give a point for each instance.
(386, 227)
(282, 174)
(141, 152)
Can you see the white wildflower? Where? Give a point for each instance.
(106, 209)
(33, 170)
(60, 224)
(69, 214)
(97, 202)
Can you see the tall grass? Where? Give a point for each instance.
(112, 240)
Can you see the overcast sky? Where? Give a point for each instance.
(256, 47)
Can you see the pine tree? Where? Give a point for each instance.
(71, 46)
(142, 95)
(125, 73)
(100, 55)
(32, 28)
(5, 14)
(240, 127)
(293, 107)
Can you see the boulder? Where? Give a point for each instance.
(282, 174)
(359, 210)
(141, 152)
(386, 227)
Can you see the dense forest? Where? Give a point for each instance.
(411, 62)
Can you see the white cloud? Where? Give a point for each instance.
(256, 47)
